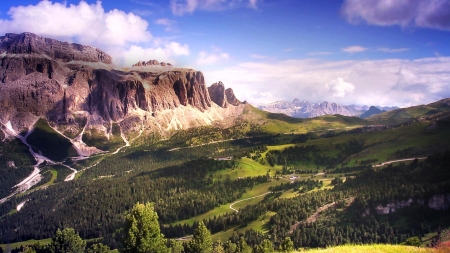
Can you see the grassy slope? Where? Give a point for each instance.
(402, 115)
(280, 123)
(377, 248)
(50, 142)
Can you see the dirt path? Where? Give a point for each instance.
(231, 205)
(315, 215)
(396, 161)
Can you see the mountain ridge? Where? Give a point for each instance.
(305, 109)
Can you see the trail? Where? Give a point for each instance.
(231, 205)
(395, 161)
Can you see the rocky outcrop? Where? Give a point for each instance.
(31, 44)
(222, 97)
(151, 63)
(70, 84)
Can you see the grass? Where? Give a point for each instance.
(374, 248)
(246, 168)
(7, 247)
(49, 142)
(257, 190)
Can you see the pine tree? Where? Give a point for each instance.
(142, 233)
(98, 248)
(201, 241)
(67, 241)
(287, 245)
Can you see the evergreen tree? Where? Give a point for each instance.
(67, 241)
(175, 246)
(201, 241)
(242, 246)
(266, 246)
(287, 245)
(229, 247)
(218, 247)
(98, 248)
(142, 233)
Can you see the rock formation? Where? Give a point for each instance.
(151, 63)
(222, 97)
(74, 86)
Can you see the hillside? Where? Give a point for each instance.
(403, 115)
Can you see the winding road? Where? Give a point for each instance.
(231, 205)
(395, 161)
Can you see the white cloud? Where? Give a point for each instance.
(393, 50)
(320, 53)
(371, 82)
(169, 24)
(163, 54)
(252, 4)
(354, 49)
(421, 13)
(114, 31)
(258, 57)
(181, 7)
(205, 58)
(339, 88)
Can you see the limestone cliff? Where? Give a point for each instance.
(222, 97)
(76, 88)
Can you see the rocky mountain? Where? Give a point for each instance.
(78, 90)
(372, 111)
(222, 97)
(305, 109)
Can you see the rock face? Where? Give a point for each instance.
(31, 44)
(305, 109)
(151, 63)
(222, 97)
(74, 86)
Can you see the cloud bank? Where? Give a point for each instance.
(405, 13)
(116, 32)
(181, 7)
(371, 82)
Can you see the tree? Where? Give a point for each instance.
(218, 247)
(242, 246)
(98, 248)
(142, 233)
(201, 241)
(67, 241)
(266, 246)
(229, 247)
(175, 246)
(287, 245)
(413, 241)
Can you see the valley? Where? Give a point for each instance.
(85, 141)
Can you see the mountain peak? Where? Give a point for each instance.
(222, 97)
(32, 44)
(152, 63)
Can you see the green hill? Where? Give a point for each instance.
(403, 115)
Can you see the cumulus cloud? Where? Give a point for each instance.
(339, 88)
(354, 49)
(371, 82)
(114, 31)
(169, 24)
(181, 7)
(164, 53)
(205, 58)
(430, 13)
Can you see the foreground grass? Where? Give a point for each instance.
(376, 248)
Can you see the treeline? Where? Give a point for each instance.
(94, 208)
(297, 155)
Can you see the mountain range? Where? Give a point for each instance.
(305, 109)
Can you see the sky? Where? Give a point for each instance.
(371, 52)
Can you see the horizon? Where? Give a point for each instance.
(371, 53)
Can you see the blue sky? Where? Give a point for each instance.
(348, 51)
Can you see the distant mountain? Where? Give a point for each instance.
(305, 109)
(372, 111)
